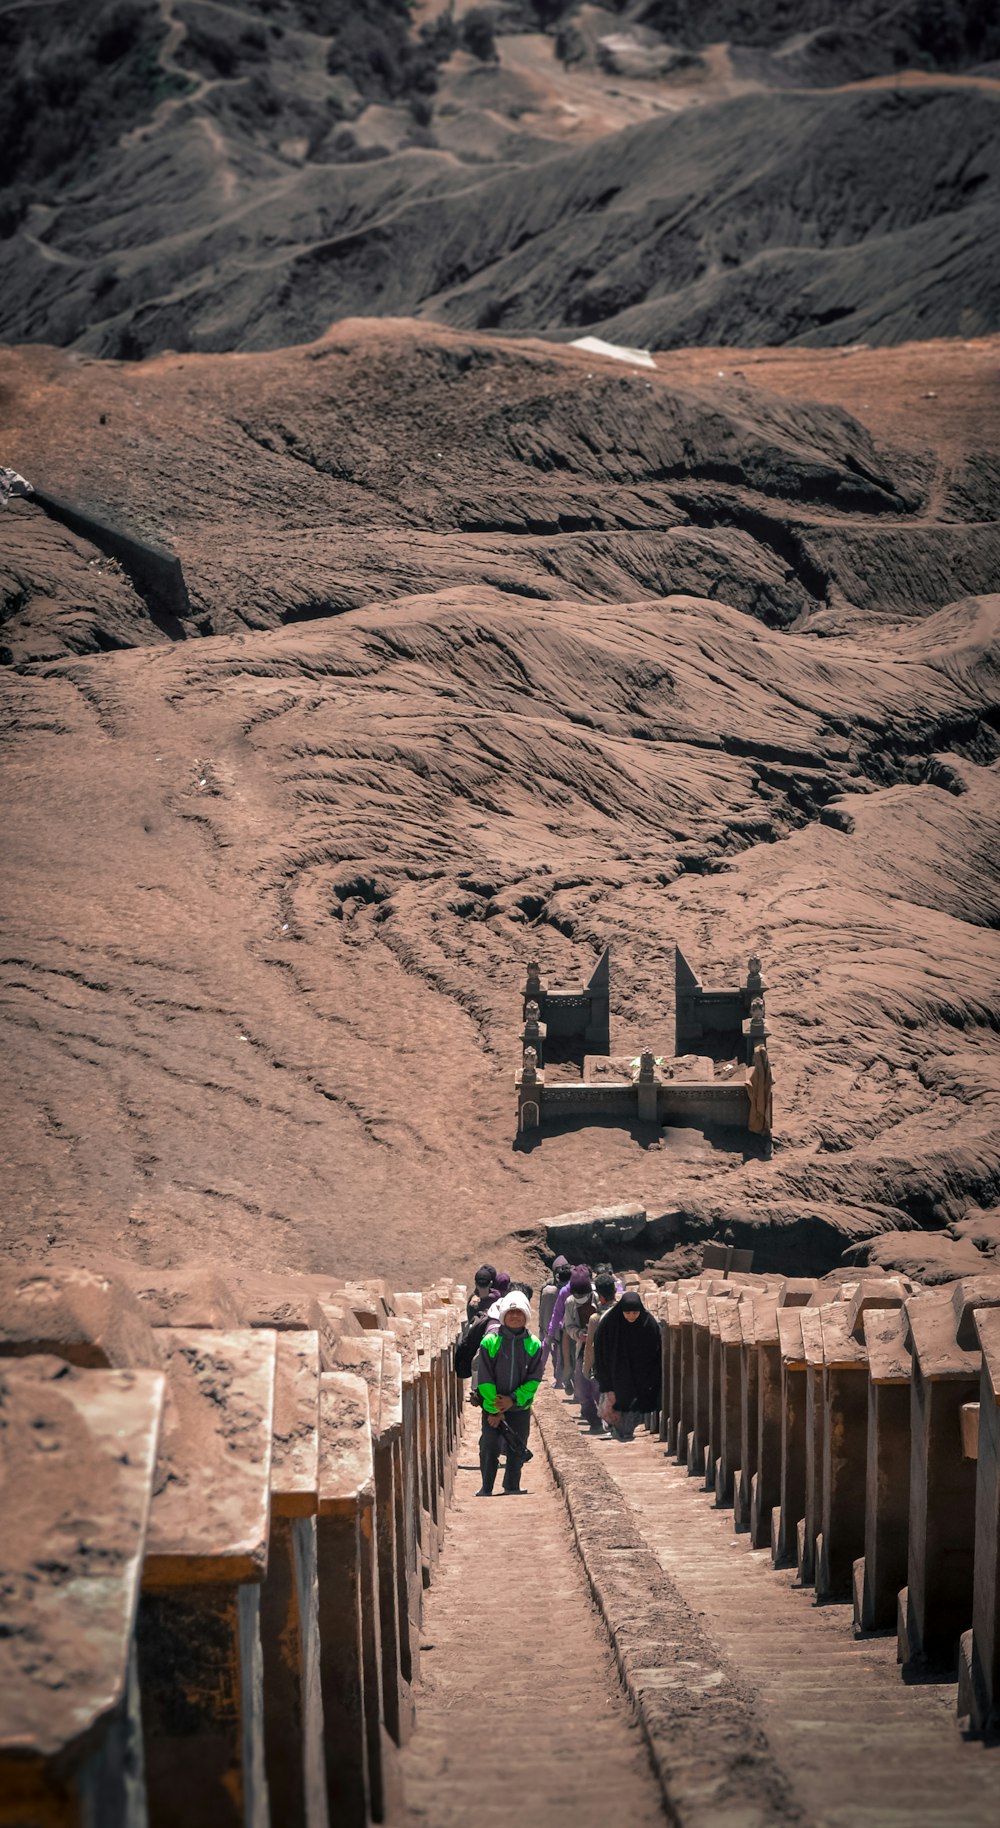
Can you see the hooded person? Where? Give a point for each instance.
(506, 1376)
(471, 1340)
(547, 1298)
(484, 1293)
(606, 1293)
(628, 1351)
(580, 1304)
(501, 1282)
(554, 1337)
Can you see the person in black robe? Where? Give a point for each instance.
(628, 1364)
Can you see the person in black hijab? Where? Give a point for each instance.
(627, 1364)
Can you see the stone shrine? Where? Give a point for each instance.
(695, 1086)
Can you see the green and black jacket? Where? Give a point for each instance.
(508, 1364)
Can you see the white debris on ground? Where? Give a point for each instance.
(12, 484)
(640, 358)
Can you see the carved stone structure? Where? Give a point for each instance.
(582, 1015)
(706, 1015)
(655, 1092)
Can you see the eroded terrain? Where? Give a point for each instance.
(516, 651)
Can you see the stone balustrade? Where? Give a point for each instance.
(855, 1430)
(221, 1500)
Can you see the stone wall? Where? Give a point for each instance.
(855, 1432)
(220, 1505)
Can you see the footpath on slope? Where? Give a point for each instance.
(728, 1657)
(520, 1710)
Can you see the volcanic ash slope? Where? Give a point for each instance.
(269, 893)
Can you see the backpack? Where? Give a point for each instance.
(468, 1346)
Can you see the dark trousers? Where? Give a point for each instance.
(492, 1444)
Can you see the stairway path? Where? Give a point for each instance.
(520, 1712)
(857, 1746)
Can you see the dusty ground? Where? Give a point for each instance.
(519, 1706)
(269, 894)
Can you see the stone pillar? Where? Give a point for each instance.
(428, 1531)
(743, 1489)
(346, 1592)
(765, 1490)
(671, 1373)
(845, 1455)
(666, 1370)
(396, 1695)
(714, 1390)
(757, 1029)
(791, 1508)
(82, 1445)
(730, 1357)
(200, 1664)
(289, 1610)
(979, 1659)
(685, 1378)
(936, 1606)
(646, 1089)
(697, 1441)
(881, 1574)
(812, 1345)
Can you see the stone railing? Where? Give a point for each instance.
(220, 1503)
(855, 1431)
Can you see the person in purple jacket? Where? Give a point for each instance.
(546, 1302)
(554, 1339)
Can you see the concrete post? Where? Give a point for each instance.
(812, 1345)
(936, 1605)
(714, 1391)
(791, 1507)
(685, 1380)
(979, 1658)
(70, 1737)
(200, 1664)
(289, 1610)
(845, 1434)
(730, 1357)
(743, 1491)
(765, 1488)
(879, 1576)
(697, 1441)
(346, 1495)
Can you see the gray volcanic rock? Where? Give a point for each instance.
(241, 182)
(596, 1232)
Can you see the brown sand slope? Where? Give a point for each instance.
(269, 895)
(391, 458)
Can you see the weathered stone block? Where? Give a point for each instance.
(350, 1656)
(790, 1509)
(845, 1454)
(942, 1483)
(89, 1319)
(198, 1295)
(289, 1614)
(199, 1645)
(595, 1230)
(887, 1486)
(812, 1345)
(77, 1459)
